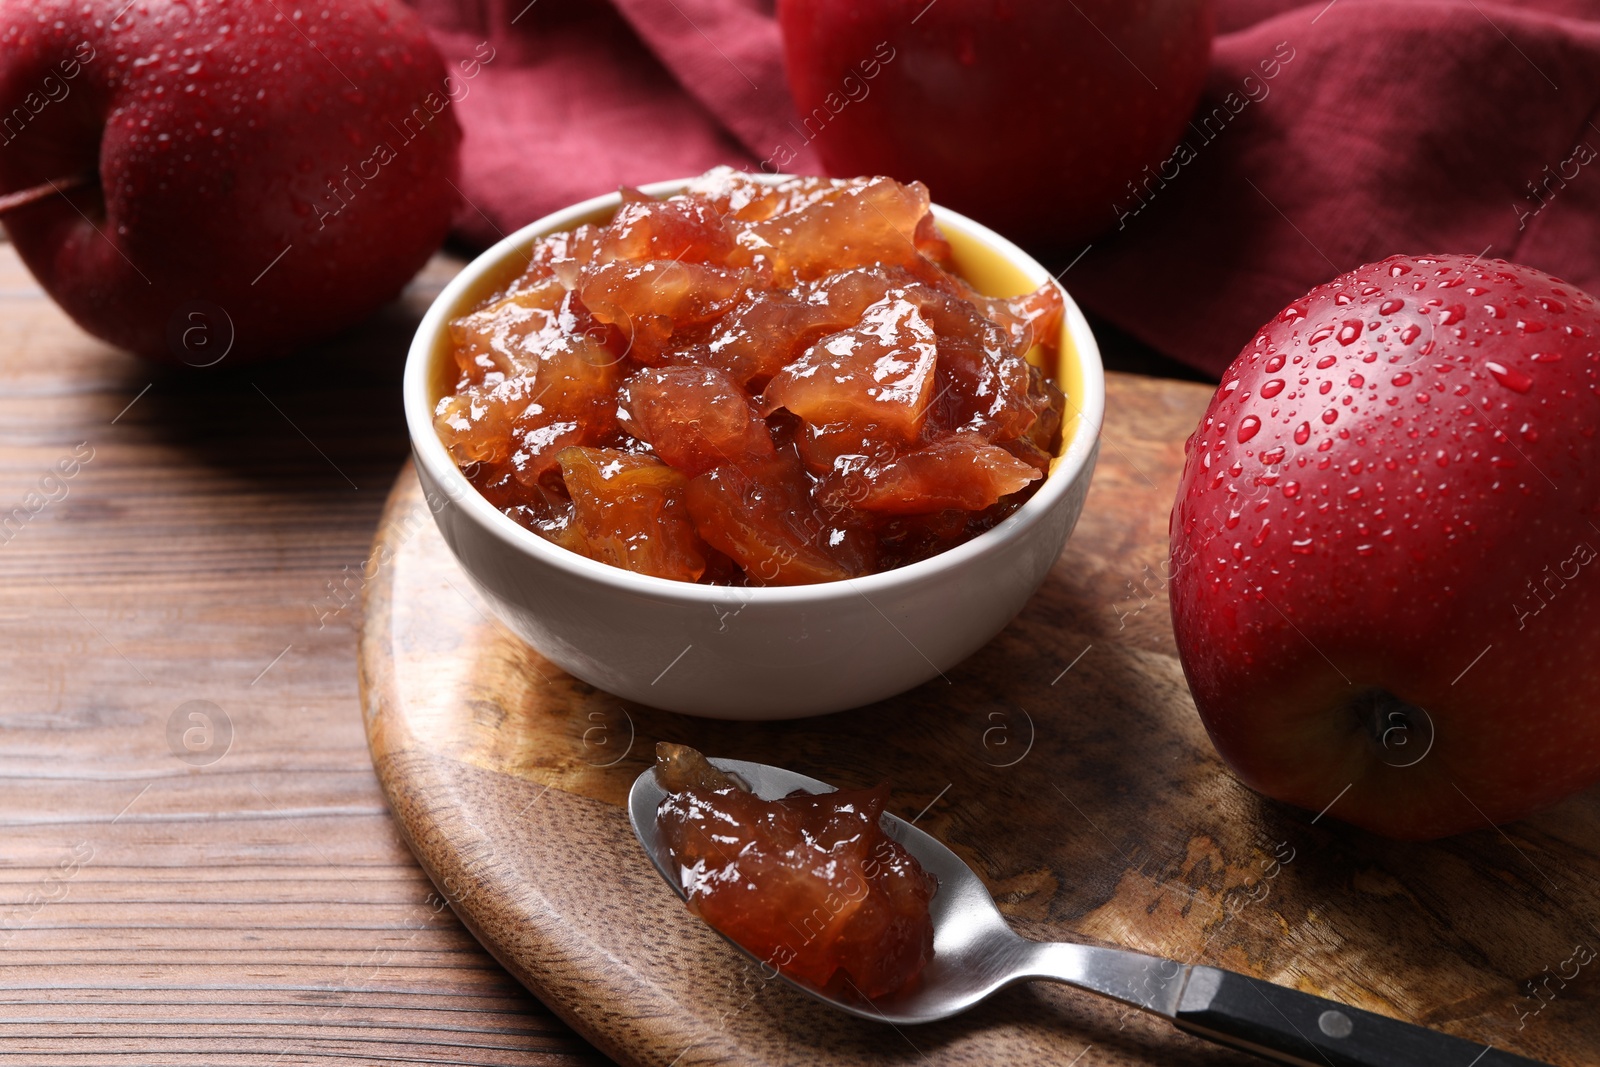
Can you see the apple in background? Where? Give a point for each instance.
(239, 178)
(1031, 117)
(1386, 588)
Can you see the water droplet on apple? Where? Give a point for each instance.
(1510, 377)
(1249, 426)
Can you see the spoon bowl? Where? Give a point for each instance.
(976, 953)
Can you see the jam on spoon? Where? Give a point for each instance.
(979, 955)
(809, 884)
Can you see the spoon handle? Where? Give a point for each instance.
(1287, 1026)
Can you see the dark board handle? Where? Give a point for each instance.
(1288, 1026)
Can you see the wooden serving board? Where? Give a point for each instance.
(1064, 761)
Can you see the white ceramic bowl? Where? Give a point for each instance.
(758, 653)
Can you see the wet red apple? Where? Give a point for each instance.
(1386, 592)
(238, 177)
(1030, 117)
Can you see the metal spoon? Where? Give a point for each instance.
(976, 954)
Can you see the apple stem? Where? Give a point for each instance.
(24, 197)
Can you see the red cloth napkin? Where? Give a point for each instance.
(1394, 126)
(562, 100)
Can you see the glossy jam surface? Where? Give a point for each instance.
(754, 385)
(810, 885)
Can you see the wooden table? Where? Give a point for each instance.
(251, 904)
(197, 865)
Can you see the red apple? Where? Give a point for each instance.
(1032, 117)
(255, 175)
(1385, 588)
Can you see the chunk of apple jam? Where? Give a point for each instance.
(809, 884)
(763, 517)
(694, 418)
(876, 377)
(628, 511)
(755, 384)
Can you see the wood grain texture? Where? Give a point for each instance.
(1064, 761)
(257, 907)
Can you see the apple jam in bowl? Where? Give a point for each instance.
(751, 446)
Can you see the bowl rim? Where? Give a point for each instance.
(1085, 415)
